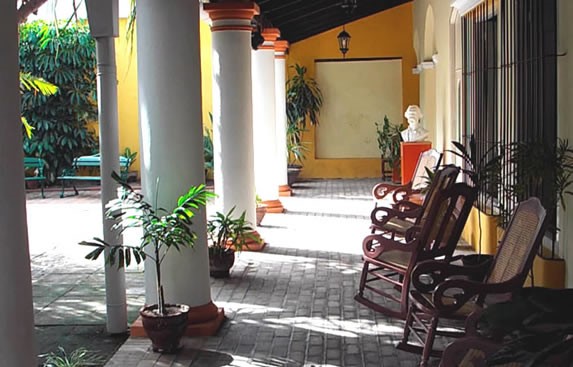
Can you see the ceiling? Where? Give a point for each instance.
(300, 19)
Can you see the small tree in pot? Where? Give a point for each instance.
(227, 234)
(162, 230)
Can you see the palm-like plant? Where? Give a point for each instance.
(28, 83)
(162, 230)
(226, 229)
(303, 101)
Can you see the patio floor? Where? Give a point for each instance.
(290, 305)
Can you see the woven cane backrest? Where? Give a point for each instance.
(444, 179)
(519, 243)
(447, 220)
(429, 159)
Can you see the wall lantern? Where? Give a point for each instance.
(343, 42)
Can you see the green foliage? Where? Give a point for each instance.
(303, 101)
(483, 171)
(162, 230)
(34, 84)
(78, 358)
(130, 156)
(389, 141)
(225, 229)
(66, 57)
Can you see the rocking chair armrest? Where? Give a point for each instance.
(403, 192)
(375, 244)
(388, 213)
(382, 189)
(467, 290)
(438, 271)
(408, 208)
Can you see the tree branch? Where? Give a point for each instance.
(28, 7)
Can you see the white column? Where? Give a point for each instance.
(17, 346)
(104, 25)
(116, 302)
(232, 106)
(264, 125)
(281, 120)
(169, 81)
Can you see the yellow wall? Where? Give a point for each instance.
(386, 34)
(126, 59)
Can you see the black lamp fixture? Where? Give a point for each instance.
(343, 42)
(344, 37)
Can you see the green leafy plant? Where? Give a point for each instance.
(66, 57)
(78, 358)
(483, 171)
(388, 137)
(34, 84)
(303, 101)
(162, 229)
(226, 229)
(296, 148)
(130, 156)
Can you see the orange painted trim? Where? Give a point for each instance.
(266, 47)
(271, 34)
(274, 206)
(281, 45)
(231, 10)
(204, 320)
(282, 57)
(219, 28)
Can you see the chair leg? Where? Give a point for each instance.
(42, 189)
(429, 344)
(363, 278)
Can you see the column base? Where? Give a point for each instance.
(274, 206)
(203, 321)
(253, 244)
(285, 190)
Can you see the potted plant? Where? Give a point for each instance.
(261, 210)
(227, 234)
(162, 230)
(484, 172)
(126, 174)
(303, 101)
(389, 145)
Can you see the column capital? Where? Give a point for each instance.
(270, 35)
(231, 15)
(281, 46)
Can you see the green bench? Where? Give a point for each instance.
(87, 161)
(38, 165)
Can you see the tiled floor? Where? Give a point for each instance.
(290, 305)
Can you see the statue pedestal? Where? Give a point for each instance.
(409, 155)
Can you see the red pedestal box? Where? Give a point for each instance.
(409, 154)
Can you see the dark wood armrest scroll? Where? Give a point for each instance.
(381, 190)
(375, 244)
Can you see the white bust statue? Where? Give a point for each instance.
(414, 132)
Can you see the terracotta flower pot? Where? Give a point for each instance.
(220, 262)
(261, 211)
(165, 331)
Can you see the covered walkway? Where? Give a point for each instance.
(290, 305)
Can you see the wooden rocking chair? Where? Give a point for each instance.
(429, 159)
(405, 214)
(391, 261)
(437, 296)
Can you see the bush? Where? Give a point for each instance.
(66, 57)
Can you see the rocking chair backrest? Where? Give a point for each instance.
(429, 159)
(444, 179)
(519, 243)
(448, 214)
